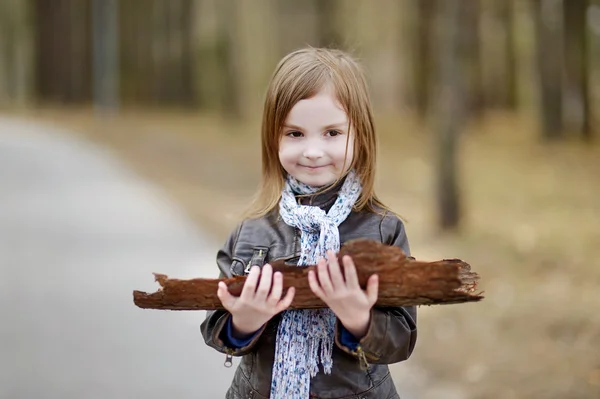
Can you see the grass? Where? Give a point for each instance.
(530, 227)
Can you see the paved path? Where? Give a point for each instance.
(78, 233)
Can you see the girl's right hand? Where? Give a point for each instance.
(258, 302)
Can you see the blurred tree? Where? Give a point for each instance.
(298, 24)
(424, 64)
(549, 54)
(173, 50)
(499, 54)
(135, 47)
(158, 52)
(577, 105)
(258, 50)
(328, 34)
(105, 54)
(162, 53)
(507, 11)
(15, 52)
(228, 56)
(473, 67)
(63, 51)
(372, 32)
(450, 107)
(187, 96)
(220, 55)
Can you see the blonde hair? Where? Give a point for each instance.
(301, 75)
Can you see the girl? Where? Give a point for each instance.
(318, 166)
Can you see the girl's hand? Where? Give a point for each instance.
(258, 302)
(345, 298)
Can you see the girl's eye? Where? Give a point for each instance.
(333, 133)
(295, 134)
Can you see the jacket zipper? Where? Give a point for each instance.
(362, 358)
(228, 358)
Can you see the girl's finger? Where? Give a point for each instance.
(250, 284)
(350, 273)
(264, 286)
(337, 280)
(286, 301)
(277, 288)
(372, 289)
(324, 279)
(224, 296)
(314, 285)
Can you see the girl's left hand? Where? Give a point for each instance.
(345, 298)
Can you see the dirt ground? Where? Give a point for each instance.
(530, 228)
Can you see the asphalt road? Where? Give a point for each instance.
(78, 233)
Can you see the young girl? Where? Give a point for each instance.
(318, 166)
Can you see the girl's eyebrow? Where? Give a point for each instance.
(333, 125)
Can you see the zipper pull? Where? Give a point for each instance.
(258, 259)
(228, 359)
(362, 358)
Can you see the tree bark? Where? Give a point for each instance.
(403, 281)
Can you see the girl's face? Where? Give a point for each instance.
(313, 141)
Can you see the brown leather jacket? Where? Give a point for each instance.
(358, 374)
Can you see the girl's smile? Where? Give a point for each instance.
(314, 167)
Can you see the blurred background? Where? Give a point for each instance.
(129, 144)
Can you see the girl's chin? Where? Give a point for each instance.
(316, 181)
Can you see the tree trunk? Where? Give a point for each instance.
(510, 47)
(450, 109)
(402, 282)
(499, 54)
(424, 66)
(549, 63)
(187, 59)
(228, 57)
(62, 45)
(80, 67)
(6, 56)
(577, 106)
(105, 55)
(473, 67)
(142, 48)
(15, 52)
(160, 50)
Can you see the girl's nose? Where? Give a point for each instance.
(312, 152)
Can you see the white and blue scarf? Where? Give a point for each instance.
(305, 338)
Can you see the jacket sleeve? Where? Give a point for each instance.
(214, 327)
(392, 332)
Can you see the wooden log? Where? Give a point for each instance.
(403, 281)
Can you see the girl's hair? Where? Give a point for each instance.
(301, 75)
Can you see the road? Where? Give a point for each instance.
(78, 233)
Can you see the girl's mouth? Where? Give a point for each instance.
(313, 167)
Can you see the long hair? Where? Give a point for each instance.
(301, 75)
